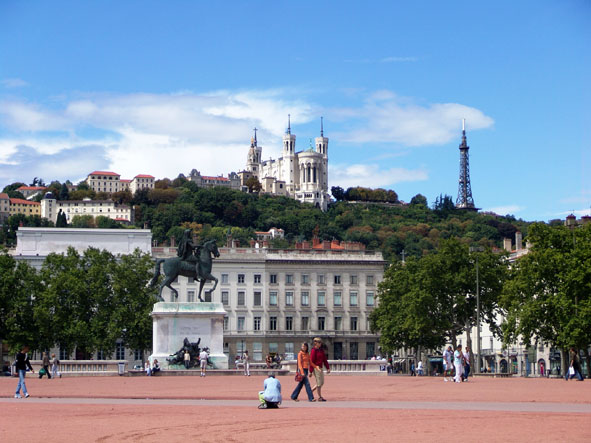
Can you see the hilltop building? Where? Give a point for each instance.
(106, 181)
(50, 208)
(204, 181)
(30, 192)
(300, 175)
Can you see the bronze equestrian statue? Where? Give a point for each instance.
(192, 261)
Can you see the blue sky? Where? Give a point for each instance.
(164, 87)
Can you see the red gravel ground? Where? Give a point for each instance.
(58, 410)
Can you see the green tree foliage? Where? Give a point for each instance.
(64, 192)
(548, 298)
(13, 187)
(83, 221)
(253, 184)
(427, 302)
(338, 193)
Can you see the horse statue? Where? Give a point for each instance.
(196, 267)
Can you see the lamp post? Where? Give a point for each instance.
(477, 249)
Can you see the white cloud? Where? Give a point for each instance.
(386, 118)
(505, 210)
(372, 175)
(13, 83)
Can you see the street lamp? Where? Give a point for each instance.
(477, 249)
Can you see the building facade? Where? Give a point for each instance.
(50, 208)
(31, 191)
(107, 181)
(301, 175)
(205, 181)
(4, 207)
(277, 299)
(26, 207)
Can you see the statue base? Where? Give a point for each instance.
(173, 322)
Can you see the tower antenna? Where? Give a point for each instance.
(321, 127)
(464, 200)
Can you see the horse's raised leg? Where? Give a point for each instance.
(167, 281)
(215, 280)
(201, 284)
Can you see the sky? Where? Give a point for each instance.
(161, 88)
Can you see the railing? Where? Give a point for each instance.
(347, 367)
(84, 367)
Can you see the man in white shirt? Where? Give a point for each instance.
(246, 360)
(458, 364)
(203, 361)
(466, 363)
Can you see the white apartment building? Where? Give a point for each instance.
(50, 208)
(277, 299)
(106, 181)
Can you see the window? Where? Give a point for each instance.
(305, 298)
(272, 323)
(289, 279)
(138, 354)
(240, 278)
(273, 298)
(321, 321)
(369, 280)
(337, 279)
(225, 298)
(257, 323)
(321, 279)
(190, 296)
(369, 298)
(258, 298)
(273, 347)
(289, 323)
(288, 298)
(119, 351)
(321, 298)
(226, 323)
(240, 324)
(257, 279)
(304, 323)
(305, 279)
(241, 298)
(353, 323)
(289, 348)
(257, 351)
(353, 298)
(337, 298)
(338, 323)
(353, 279)
(370, 350)
(64, 355)
(225, 279)
(273, 279)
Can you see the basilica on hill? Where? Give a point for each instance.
(300, 175)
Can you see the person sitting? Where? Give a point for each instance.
(270, 398)
(155, 367)
(147, 368)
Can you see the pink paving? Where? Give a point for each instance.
(360, 410)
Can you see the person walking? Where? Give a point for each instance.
(458, 364)
(318, 358)
(304, 367)
(466, 363)
(21, 364)
(246, 361)
(45, 363)
(187, 358)
(420, 368)
(574, 369)
(55, 363)
(203, 361)
(447, 364)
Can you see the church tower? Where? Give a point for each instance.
(253, 161)
(322, 148)
(289, 166)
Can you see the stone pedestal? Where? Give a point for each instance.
(172, 322)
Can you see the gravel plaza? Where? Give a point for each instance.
(359, 408)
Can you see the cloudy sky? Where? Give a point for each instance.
(150, 87)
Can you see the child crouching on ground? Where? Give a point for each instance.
(270, 398)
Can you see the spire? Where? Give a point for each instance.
(288, 124)
(465, 199)
(321, 127)
(255, 136)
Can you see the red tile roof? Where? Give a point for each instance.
(31, 188)
(104, 173)
(144, 176)
(3, 195)
(125, 180)
(14, 201)
(222, 179)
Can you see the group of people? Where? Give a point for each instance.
(461, 364)
(153, 369)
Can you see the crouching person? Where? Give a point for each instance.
(270, 398)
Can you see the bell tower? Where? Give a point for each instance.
(289, 166)
(322, 148)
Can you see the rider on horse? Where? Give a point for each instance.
(189, 251)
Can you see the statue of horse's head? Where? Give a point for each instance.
(211, 246)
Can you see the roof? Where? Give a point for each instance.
(222, 179)
(4, 196)
(14, 201)
(144, 176)
(104, 173)
(125, 180)
(31, 188)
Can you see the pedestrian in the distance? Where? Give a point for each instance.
(447, 363)
(45, 363)
(458, 364)
(55, 363)
(21, 364)
(318, 358)
(305, 365)
(203, 361)
(574, 369)
(246, 361)
(187, 359)
(466, 363)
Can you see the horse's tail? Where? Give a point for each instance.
(156, 272)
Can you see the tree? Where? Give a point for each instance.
(64, 192)
(253, 184)
(547, 297)
(429, 301)
(83, 221)
(419, 200)
(338, 193)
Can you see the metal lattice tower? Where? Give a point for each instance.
(465, 200)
